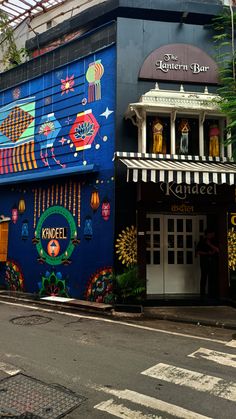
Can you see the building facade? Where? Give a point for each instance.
(115, 144)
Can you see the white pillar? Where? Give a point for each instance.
(201, 134)
(229, 147)
(172, 133)
(143, 133)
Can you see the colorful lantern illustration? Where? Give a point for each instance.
(84, 130)
(93, 75)
(14, 214)
(95, 200)
(21, 206)
(106, 209)
(25, 230)
(88, 229)
(48, 131)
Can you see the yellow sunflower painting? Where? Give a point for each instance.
(126, 246)
(232, 249)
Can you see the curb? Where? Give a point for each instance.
(109, 311)
(189, 320)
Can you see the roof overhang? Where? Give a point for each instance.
(171, 100)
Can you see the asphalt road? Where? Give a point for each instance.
(145, 369)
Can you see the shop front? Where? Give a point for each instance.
(184, 176)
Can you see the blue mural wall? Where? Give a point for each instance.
(57, 146)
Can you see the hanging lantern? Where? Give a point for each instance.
(14, 214)
(21, 206)
(25, 230)
(106, 209)
(88, 229)
(93, 75)
(95, 200)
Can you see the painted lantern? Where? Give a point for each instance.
(106, 209)
(93, 75)
(84, 130)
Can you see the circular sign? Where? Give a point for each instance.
(53, 254)
(53, 248)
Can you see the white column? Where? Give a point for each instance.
(143, 133)
(201, 134)
(172, 133)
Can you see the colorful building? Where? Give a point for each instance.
(112, 154)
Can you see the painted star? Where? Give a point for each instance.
(106, 113)
(62, 141)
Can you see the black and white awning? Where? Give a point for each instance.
(179, 169)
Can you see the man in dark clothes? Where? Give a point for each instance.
(208, 251)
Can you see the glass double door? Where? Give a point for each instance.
(172, 265)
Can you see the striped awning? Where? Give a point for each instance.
(179, 169)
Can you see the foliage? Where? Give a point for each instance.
(129, 286)
(224, 39)
(12, 56)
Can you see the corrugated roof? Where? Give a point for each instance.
(18, 10)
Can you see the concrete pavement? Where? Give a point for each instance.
(216, 316)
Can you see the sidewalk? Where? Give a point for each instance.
(216, 316)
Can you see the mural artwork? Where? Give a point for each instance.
(126, 246)
(57, 131)
(100, 286)
(53, 284)
(54, 118)
(56, 236)
(13, 276)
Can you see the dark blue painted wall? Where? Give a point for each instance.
(83, 169)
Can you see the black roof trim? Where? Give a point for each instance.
(198, 12)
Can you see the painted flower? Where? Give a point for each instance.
(46, 128)
(100, 286)
(67, 85)
(53, 284)
(126, 246)
(84, 130)
(14, 276)
(232, 249)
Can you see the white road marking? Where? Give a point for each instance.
(8, 369)
(195, 380)
(101, 319)
(231, 343)
(222, 358)
(152, 403)
(120, 411)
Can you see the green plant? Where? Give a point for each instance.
(224, 39)
(12, 56)
(128, 286)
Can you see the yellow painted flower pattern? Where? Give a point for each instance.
(126, 246)
(232, 249)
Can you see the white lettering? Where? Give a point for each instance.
(181, 191)
(197, 68)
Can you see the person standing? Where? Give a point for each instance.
(208, 251)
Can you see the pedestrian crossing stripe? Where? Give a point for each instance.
(231, 343)
(222, 358)
(152, 403)
(120, 411)
(195, 380)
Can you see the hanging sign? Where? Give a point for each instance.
(180, 62)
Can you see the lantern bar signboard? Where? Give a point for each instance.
(180, 62)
